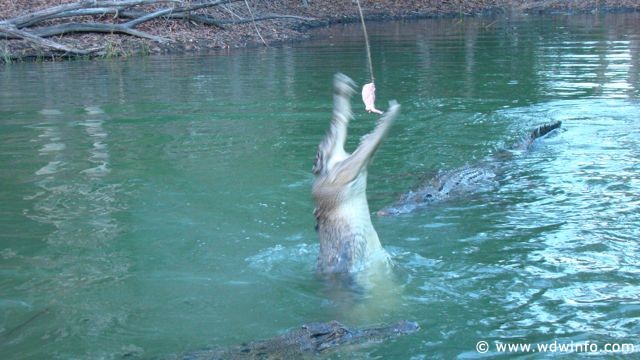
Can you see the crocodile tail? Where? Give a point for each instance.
(544, 130)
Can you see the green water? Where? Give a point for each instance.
(158, 205)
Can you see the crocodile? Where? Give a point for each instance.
(463, 180)
(348, 241)
(305, 341)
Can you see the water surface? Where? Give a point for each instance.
(156, 205)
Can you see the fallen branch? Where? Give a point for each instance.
(139, 18)
(12, 30)
(74, 13)
(147, 17)
(208, 20)
(204, 5)
(51, 13)
(202, 19)
(264, 17)
(94, 28)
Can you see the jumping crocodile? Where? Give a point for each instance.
(306, 341)
(348, 241)
(464, 180)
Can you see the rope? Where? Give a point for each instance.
(366, 40)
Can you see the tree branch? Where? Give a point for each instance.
(264, 17)
(147, 17)
(50, 13)
(204, 5)
(94, 28)
(203, 19)
(73, 13)
(12, 30)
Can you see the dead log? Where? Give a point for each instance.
(208, 20)
(198, 18)
(75, 13)
(13, 31)
(264, 17)
(51, 13)
(94, 28)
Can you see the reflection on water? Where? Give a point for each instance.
(159, 205)
(100, 152)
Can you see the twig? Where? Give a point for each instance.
(253, 19)
(230, 12)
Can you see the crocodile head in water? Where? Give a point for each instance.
(348, 240)
(445, 185)
(461, 181)
(333, 334)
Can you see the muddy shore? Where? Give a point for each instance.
(189, 36)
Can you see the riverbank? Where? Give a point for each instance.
(252, 23)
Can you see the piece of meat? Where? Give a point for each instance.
(369, 98)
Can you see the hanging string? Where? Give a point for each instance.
(366, 40)
(368, 90)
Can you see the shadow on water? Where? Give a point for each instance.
(159, 205)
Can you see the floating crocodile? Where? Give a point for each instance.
(348, 241)
(305, 341)
(464, 180)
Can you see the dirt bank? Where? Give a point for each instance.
(232, 24)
